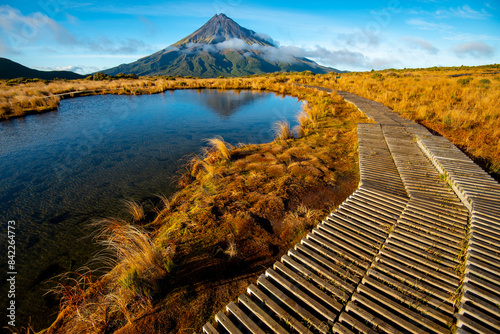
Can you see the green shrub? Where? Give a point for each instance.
(447, 120)
(99, 76)
(464, 81)
(17, 81)
(126, 76)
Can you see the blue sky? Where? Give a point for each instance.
(90, 35)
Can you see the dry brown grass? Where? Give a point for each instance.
(219, 146)
(465, 109)
(136, 266)
(236, 213)
(282, 130)
(253, 202)
(135, 209)
(304, 122)
(138, 263)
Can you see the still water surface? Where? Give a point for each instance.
(59, 170)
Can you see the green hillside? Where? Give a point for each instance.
(229, 63)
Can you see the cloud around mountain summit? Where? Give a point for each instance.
(280, 53)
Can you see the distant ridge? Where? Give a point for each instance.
(10, 70)
(221, 47)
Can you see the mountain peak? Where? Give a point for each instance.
(200, 55)
(221, 16)
(221, 28)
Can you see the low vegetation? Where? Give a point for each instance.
(238, 209)
(135, 267)
(459, 103)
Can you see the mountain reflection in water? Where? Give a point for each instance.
(224, 104)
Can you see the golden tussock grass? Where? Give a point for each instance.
(242, 207)
(237, 207)
(135, 267)
(135, 209)
(233, 198)
(461, 104)
(129, 249)
(231, 250)
(220, 146)
(282, 130)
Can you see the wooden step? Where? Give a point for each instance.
(397, 309)
(209, 329)
(323, 271)
(424, 296)
(293, 305)
(309, 275)
(443, 320)
(278, 310)
(228, 325)
(261, 314)
(244, 319)
(310, 288)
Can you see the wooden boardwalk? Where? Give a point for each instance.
(414, 250)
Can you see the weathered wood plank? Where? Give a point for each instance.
(244, 319)
(228, 325)
(209, 329)
(261, 314)
(278, 310)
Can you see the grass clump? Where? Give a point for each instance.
(283, 131)
(464, 81)
(136, 268)
(219, 146)
(129, 249)
(135, 209)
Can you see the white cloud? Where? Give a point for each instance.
(383, 63)
(360, 39)
(464, 12)
(72, 68)
(286, 53)
(467, 37)
(420, 44)
(21, 30)
(80, 69)
(124, 46)
(235, 43)
(490, 6)
(476, 49)
(424, 25)
(336, 57)
(267, 38)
